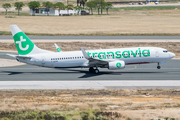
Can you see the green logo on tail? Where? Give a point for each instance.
(118, 65)
(23, 43)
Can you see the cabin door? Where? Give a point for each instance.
(157, 53)
(43, 61)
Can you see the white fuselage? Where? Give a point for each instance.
(135, 55)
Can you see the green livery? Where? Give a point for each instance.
(58, 49)
(120, 54)
(23, 43)
(118, 65)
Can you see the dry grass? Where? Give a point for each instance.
(115, 104)
(73, 46)
(161, 21)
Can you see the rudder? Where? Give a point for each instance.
(23, 44)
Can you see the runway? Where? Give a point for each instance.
(96, 37)
(63, 85)
(169, 71)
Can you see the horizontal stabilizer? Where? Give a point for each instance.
(12, 55)
(19, 56)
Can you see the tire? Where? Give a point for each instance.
(91, 69)
(96, 71)
(158, 67)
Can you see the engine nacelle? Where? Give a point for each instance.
(116, 65)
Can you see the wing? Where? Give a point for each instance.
(92, 61)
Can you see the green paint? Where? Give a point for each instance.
(94, 54)
(118, 65)
(112, 53)
(128, 56)
(134, 54)
(118, 54)
(146, 53)
(88, 53)
(58, 49)
(139, 52)
(102, 54)
(23, 43)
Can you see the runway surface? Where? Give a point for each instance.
(169, 71)
(111, 84)
(97, 37)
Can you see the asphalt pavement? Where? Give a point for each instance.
(98, 37)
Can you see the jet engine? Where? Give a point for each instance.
(116, 65)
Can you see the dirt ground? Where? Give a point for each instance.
(141, 22)
(75, 46)
(121, 104)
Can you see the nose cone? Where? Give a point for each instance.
(172, 55)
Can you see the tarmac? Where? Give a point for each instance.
(168, 71)
(97, 37)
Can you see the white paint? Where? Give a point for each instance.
(20, 45)
(42, 11)
(14, 29)
(88, 84)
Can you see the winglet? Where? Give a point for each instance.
(85, 54)
(57, 47)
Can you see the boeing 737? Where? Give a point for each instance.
(112, 59)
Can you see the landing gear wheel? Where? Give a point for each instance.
(158, 67)
(96, 71)
(91, 69)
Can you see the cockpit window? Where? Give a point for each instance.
(165, 51)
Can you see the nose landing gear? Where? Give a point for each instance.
(158, 67)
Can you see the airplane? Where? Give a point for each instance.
(113, 59)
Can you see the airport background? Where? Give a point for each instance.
(138, 92)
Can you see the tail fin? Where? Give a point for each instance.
(23, 44)
(57, 48)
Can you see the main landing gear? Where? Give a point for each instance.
(158, 67)
(92, 70)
